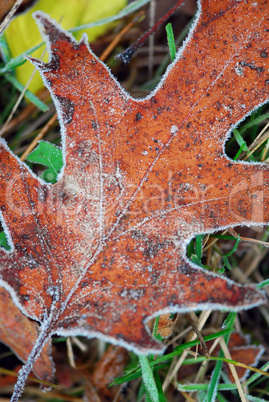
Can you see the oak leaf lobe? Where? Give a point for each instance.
(107, 242)
(19, 333)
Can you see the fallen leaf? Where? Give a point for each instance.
(102, 250)
(165, 325)
(110, 366)
(20, 334)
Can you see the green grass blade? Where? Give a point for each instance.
(29, 95)
(221, 398)
(224, 237)
(155, 327)
(199, 246)
(238, 153)
(263, 284)
(196, 260)
(255, 399)
(229, 322)
(194, 360)
(226, 263)
(214, 381)
(198, 387)
(171, 41)
(201, 395)
(240, 140)
(136, 373)
(4, 49)
(148, 378)
(160, 70)
(255, 376)
(162, 397)
(187, 345)
(233, 249)
(254, 122)
(148, 398)
(19, 60)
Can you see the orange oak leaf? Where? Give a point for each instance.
(20, 333)
(103, 249)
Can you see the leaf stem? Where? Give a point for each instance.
(44, 335)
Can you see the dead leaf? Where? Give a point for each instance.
(110, 366)
(20, 333)
(103, 249)
(165, 325)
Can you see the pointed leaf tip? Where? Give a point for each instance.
(36, 62)
(51, 29)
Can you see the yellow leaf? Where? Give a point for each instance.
(23, 33)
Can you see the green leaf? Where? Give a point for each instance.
(50, 156)
(3, 241)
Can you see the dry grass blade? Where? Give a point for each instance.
(14, 374)
(174, 368)
(233, 370)
(10, 15)
(120, 35)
